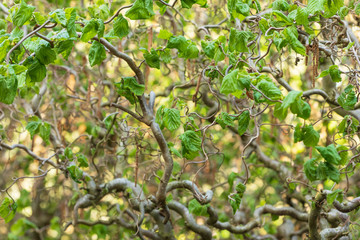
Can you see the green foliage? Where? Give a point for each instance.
(97, 53)
(21, 14)
(7, 209)
(348, 98)
(191, 144)
(141, 9)
(36, 126)
(130, 88)
(196, 208)
(244, 121)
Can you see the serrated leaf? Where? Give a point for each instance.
(152, 59)
(224, 119)
(330, 198)
(238, 40)
(332, 172)
(141, 9)
(244, 121)
(321, 171)
(8, 88)
(45, 54)
(44, 132)
(121, 27)
(90, 30)
(270, 90)
(97, 53)
(347, 98)
(75, 173)
(291, 36)
(196, 208)
(59, 16)
(171, 118)
(315, 6)
(22, 14)
(311, 137)
(335, 73)
(191, 144)
(329, 153)
(229, 83)
(310, 168)
(82, 160)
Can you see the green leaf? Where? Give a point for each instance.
(129, 88)
(240, 188)
(343, 153)
(330, 154)
(315, 6)
(301, 108)
(39, 18)
(82, 160)
(152, 59)
(282, 109)
(298, 133)
(7, 210)
(22, 14)
(330, 198)
(189, 3)
(141, 9)
(44, 131)
(231, 178)
(235, 202)
(4, 49)
(21, 226)
(187, 49)
(244, 121)
(90, 30)
(33, 127)
(290, 33)
(281, 5)
(310, 169)
(164, 34)
(191, 144)
(311, 137)
(75, 173)
(159, 116)
(347, 98)
(229, 83)
(121, 27)
(332, 172)
(97, 53)
(45, 54)
(238, 40)
(196, 208)
(321, 171)
(281, 17)
(335, 73)
(65, 48)
(302, 15)
(224, 119)
(59, 16)
(165, 56)
(70, 14)
(270, 90)
(171, 118)
(8, 88)
(357, 9)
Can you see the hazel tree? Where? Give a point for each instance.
(179, 119)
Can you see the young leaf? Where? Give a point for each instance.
(152, 59)
(7, 209)
(171, 118)
(44, 132)
(347, 98)
(90, 30)
(310, 169)
(244, 121)
(330, 154)
(141, 9)
(224, 120)
(238, 40)
(332, 172)
(75, 173)
(121, 27)
(330, 198)
(164, 34)
(8, 88)
(335, 73)
(45, 54)
(83, 162)
(310, 136)
(59, 16)
(191, 144)
(229, 83)
(23, 14)
(196, 208)
(97, 53)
